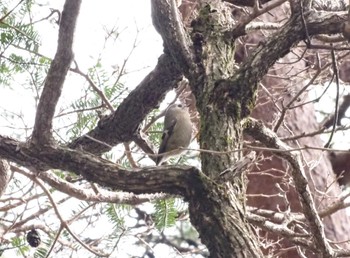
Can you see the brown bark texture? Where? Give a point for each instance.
(286, 193)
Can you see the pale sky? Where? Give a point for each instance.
(132, 19)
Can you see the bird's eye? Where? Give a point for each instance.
(179, 105)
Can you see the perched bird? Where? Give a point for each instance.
(177, 132)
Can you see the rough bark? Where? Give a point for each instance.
(124, 123)
(5, 175)
(206, 58)
(225, 96)
(56, 75)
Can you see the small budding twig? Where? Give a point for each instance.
(261, 133)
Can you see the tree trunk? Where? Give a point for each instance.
(225, 97)
(218, 210)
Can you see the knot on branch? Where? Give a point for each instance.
(208, 36)
(238, 168)
(229, 97)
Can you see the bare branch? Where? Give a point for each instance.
(167, 179)
(259, 132)
(336, 109)
(291, 102)
(42, 211)
(167, 21)
(56, 74)
(241, 28)
(20, 201)
(64, 224)
(343, 107)
(94, 87)
(89, 195)
(278, 45)
(123, 124)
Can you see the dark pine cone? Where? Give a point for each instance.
(33, 238)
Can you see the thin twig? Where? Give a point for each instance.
(285, 109)
(93, 86)
(59, 231)
(241, 28)
(129, 156)
(64, 224)
(9, 12)
(336, 73)
(259, 132)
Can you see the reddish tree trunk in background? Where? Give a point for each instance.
(341, 161)
(272, 171)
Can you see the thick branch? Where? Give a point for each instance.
(241, 27)
(56, 74)
(317, 23)
(123, 124)
(167, 179)
(167, 21)
(88, 194)
(243, 85)
(280, 43)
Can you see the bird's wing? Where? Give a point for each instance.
(165, 137)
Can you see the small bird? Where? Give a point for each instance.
(177, 132)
